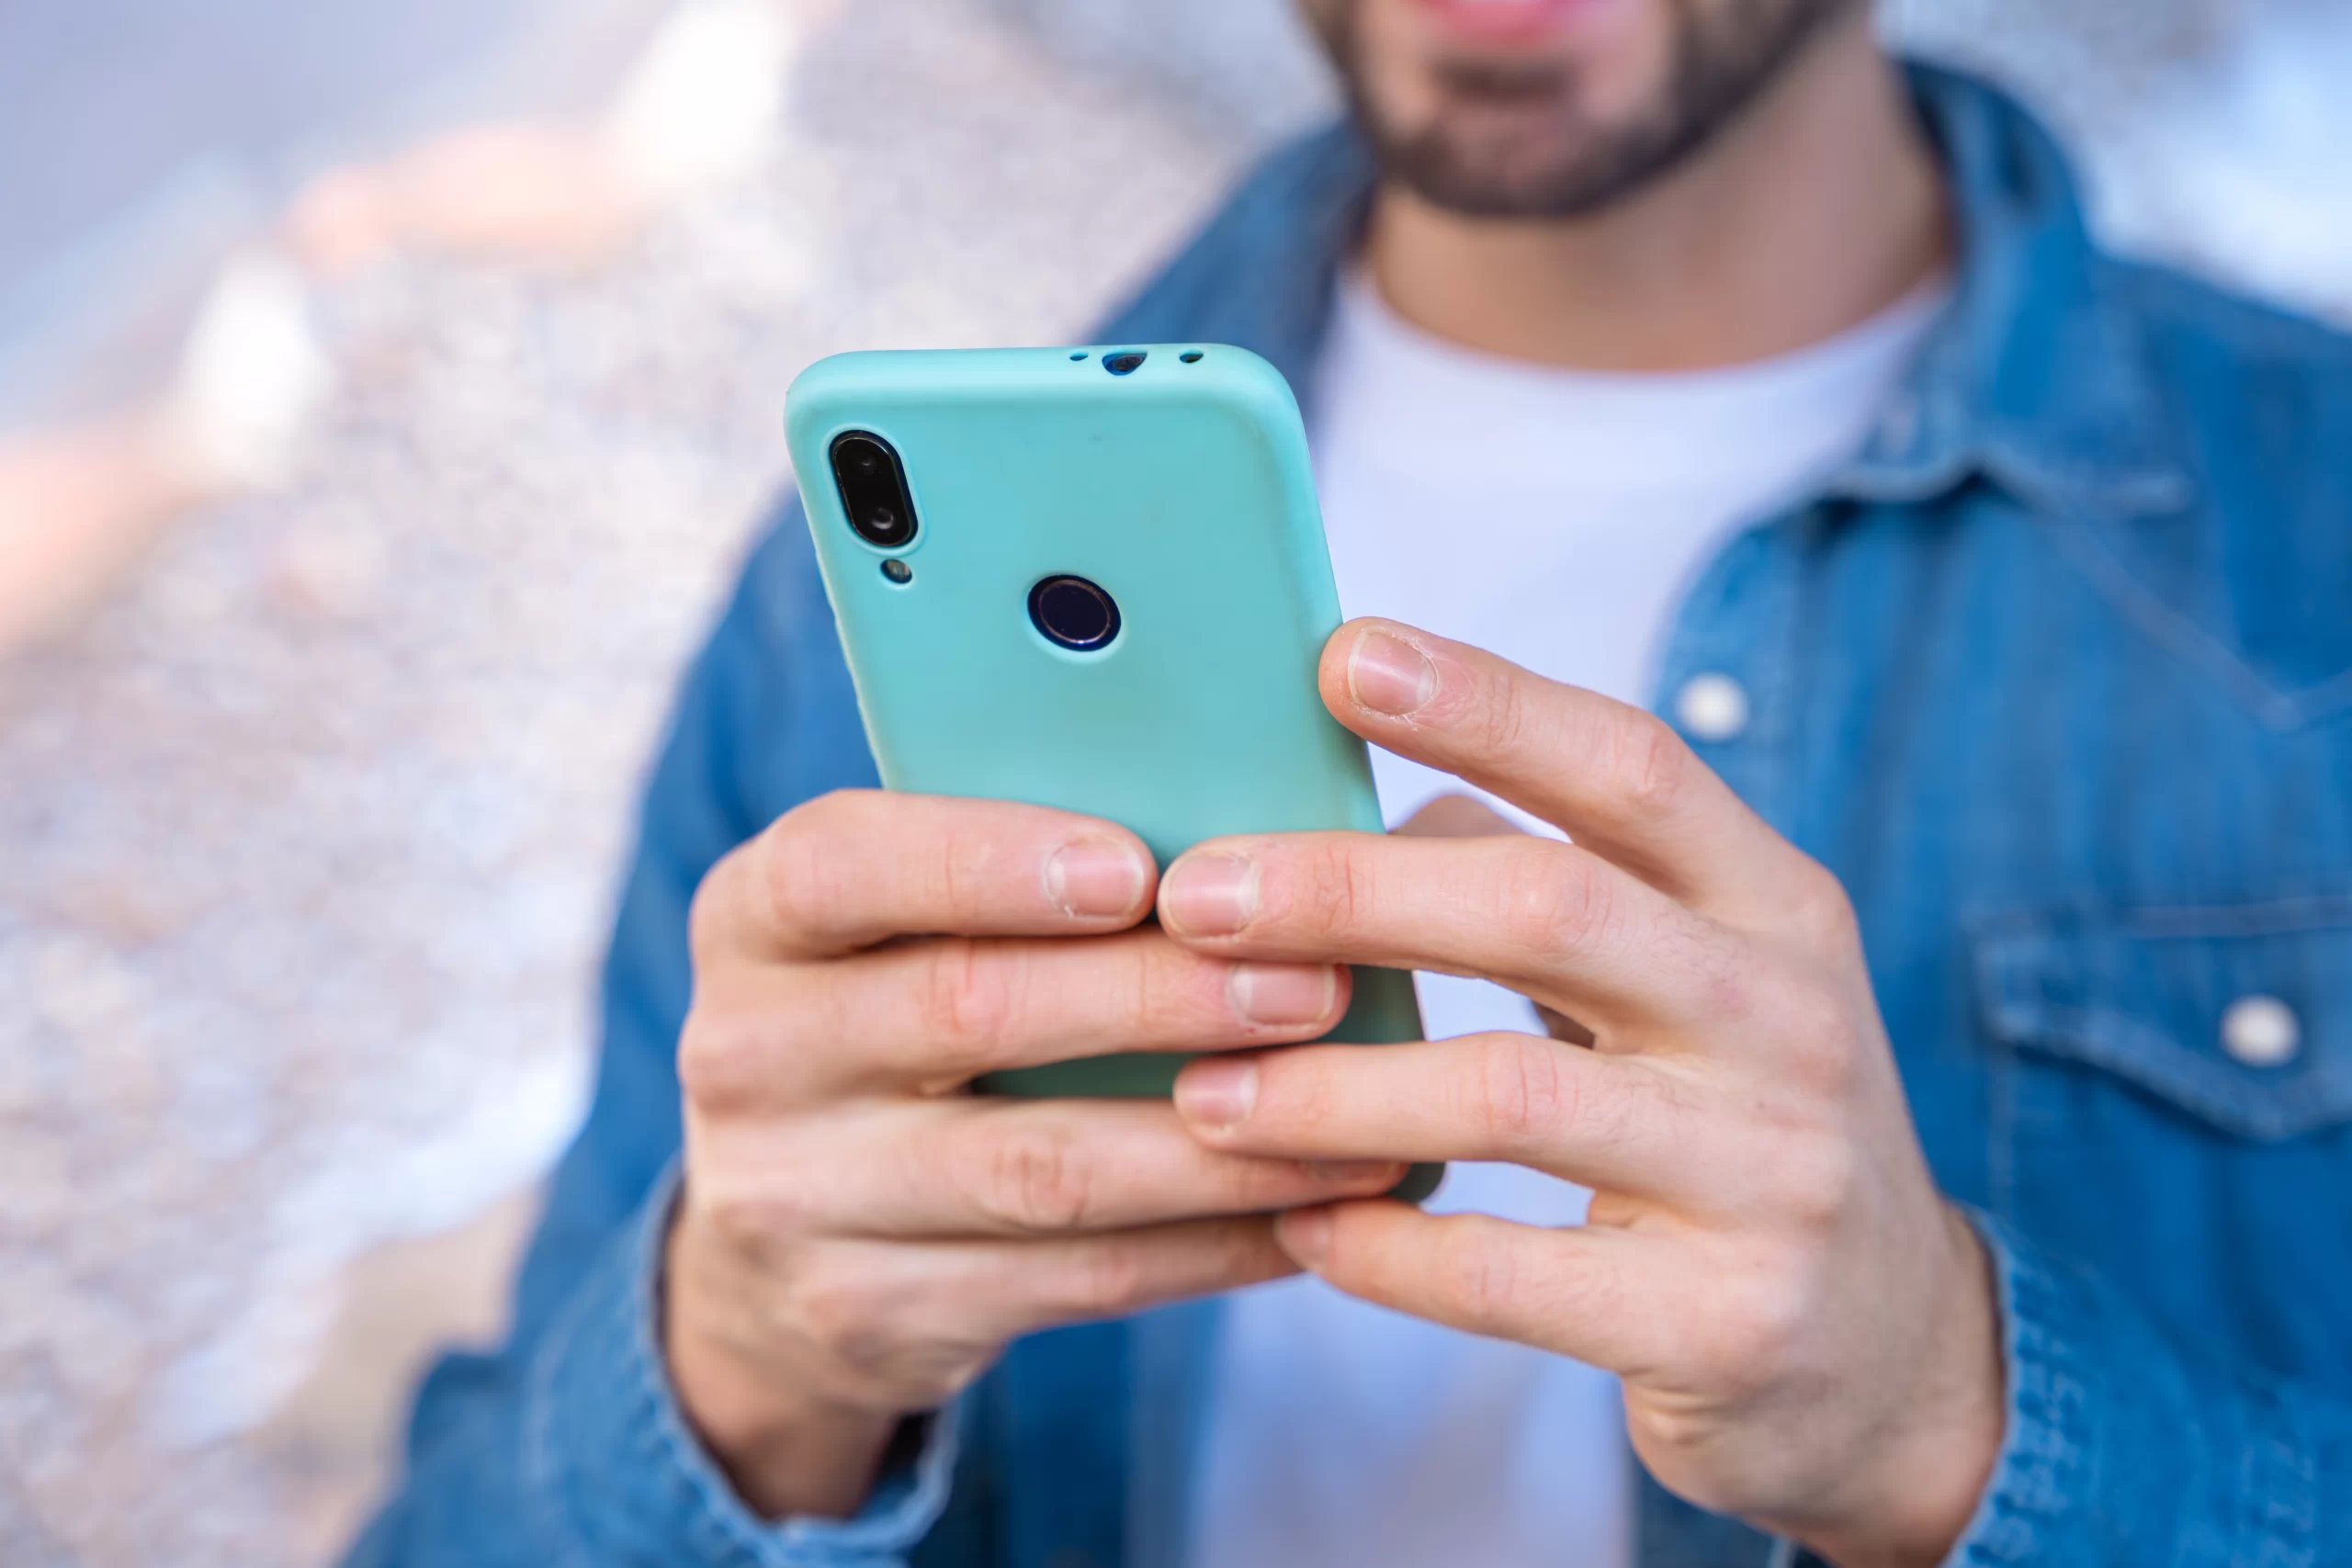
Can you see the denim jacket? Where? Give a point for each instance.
(2057, 675)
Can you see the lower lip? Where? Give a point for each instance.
(1506, 20)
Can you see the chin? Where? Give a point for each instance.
(1558, 108)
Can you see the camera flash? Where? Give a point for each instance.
(897, 572)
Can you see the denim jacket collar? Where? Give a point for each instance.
(2034, 380)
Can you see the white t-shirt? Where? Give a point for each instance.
(1557, 517)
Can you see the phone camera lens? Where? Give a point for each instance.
(1123, 364)
(873, 490)
(1074, 614)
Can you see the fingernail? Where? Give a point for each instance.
(1217, 1092)
(1210, 895)
(1094, 879)
(1350, 1170)
(1306, 1235)
(1283, 993)
(1390, 675)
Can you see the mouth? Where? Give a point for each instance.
(1507, 21)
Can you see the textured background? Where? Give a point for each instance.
(308, 831)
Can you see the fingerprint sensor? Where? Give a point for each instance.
(1074, 614)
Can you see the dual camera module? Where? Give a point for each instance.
(874, 490)
(1067, 611)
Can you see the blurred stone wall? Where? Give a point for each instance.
(309, 834)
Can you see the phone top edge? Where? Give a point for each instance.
(1220, 370)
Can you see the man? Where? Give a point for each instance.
(1992, 593)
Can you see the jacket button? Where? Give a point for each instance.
(1711, 707)
(2261, 1032)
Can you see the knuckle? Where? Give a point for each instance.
(761, 1228)
(1673, 1433)
(839, 1313)
(1523, 1098)
(1818, 1038)
(1819, 909)
(725, 1062)
(1039, 1181)
(1553, 902)
(708, 916)
(1106, 1281)
(1652, 767)
(1775, 1306)
(798, 864)
(967, 996)
(1479, 1278)
(1818, 1180)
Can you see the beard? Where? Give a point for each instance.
(1549, 158)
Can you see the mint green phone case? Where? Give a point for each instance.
(1183, 489)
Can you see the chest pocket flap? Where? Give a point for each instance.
(2239, 1014)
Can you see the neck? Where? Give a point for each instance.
(1818, 209)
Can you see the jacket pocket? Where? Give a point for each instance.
(2239, 1015)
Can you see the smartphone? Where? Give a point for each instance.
(1092, 578)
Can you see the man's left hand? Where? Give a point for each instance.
(1804, 1325)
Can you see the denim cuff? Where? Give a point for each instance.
(2120, 1449)
(618, 1476)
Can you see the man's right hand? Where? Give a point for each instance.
(857, 1237)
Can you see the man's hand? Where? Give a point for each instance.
(1804, 1325)
(858, 1238)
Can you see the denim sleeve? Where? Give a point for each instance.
(566, 1445)
(2126, 1448)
